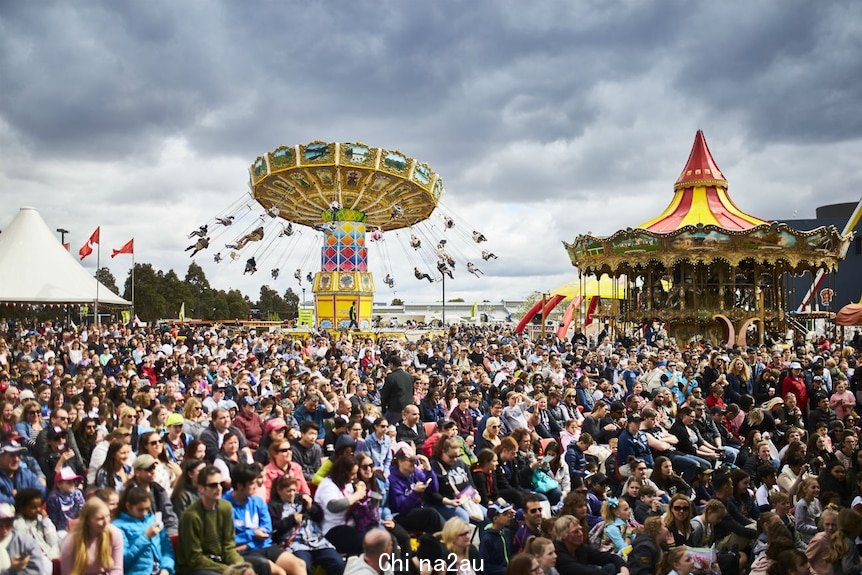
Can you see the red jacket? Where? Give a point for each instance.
(251, 427)
(796, 385)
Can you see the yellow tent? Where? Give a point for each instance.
(603, 288)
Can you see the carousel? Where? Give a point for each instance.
(703, 266)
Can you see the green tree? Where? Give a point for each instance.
(150, 303)
(106, 278)
(239, 306)
(199, 293)
(457, 300)
(291, 300)
(397, 301)
(270, 304)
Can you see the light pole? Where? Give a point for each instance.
(303, 299)
(443, 275)
(62, 233)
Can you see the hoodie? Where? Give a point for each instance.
(402, 498)
(141, 552)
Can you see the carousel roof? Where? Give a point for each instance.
(700, 197)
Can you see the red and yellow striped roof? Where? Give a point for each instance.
(700, 197)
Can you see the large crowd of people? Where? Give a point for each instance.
(202, 450)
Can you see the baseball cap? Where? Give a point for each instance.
(7, 511)
(635, 418)
(144, 461)
(274, 425)
(174, 419)
(67, 474)
(795, 365)
(55, 433)
(498, 507)
(444, 422)
(716, 409)
(230, 404)
(12, 447)
(247, 400)
(26, 394)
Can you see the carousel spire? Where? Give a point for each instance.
(700, 197)
(700, 169)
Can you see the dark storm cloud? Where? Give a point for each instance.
(791, 69)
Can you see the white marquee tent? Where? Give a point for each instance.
(35, 268)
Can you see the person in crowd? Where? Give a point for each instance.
(13, 476)
(19, 552)
(296, 529)
(456, 495)
(94, 546)
(167, 471)
(253, 525)
(647, 546)
(144, 472)
(185, 491)
(577, 557)
(65, 500)
(281, 463)
(495, 541)
(335, 495)
(214, 435)
(146, 547)
(306, 451)
(376, 547)
(35, 523)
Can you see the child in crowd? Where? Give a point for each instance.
(33, 522)
(65, 500)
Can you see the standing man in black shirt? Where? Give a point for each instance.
(397, 392)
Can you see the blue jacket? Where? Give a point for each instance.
(576, 460)
(140, 551)
(495, 549)
(249, 517)
(635, 446)
(22, 479)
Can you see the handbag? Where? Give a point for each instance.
(544, 483)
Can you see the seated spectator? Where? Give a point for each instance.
(577, 557)
(146, 547)
(35, 523)
(336, 493)
(65, 500)
(281, 463)
(23, 554)
(185, 490)
(295, 528)
(94, 546)
(376, 547)
(114, 472)
(144, 471)
(253, 526)
(13, 477)
(495, 540)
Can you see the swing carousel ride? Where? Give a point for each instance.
(704, 266)
(340, 195)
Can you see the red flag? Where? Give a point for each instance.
(68, 247)
(87, 248)
(128, 248)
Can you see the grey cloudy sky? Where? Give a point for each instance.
(545, 119)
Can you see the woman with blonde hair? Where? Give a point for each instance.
(455, 540)
(818, 547)
(194, 418)
(545, 553)
(738, 379)
(843, 554)
(677, 561)
(94, 546)
(491, 435)
(678, 518)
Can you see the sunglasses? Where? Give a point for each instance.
(213, 485)
(287, 450)
(679, 508)
(155, 442)
(535, 510)
(366, 466)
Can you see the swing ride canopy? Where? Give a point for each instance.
(35, 268)
(367, 184)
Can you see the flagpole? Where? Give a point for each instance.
(98, 260)
(133, 285)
